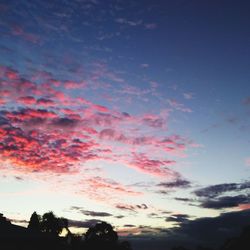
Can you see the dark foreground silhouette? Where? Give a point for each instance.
(43, 233)
(242, 242)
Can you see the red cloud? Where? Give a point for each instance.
(37, 151)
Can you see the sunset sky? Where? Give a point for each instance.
(132, 112)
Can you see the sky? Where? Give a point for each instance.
(132, 112)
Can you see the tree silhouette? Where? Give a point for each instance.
(103, 237)
(51, 224)
(101, 232)
(35, 222)
(65, 224)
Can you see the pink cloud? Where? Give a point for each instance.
(44, 151)
(2, 101)
(11, 74)
(151, 166)
(18, 31)
(154, 121)
(60, 133)
(100, 108)
(244, 206)
(99, 183)
(5, 93)
(106, 190)
(128, 231)
(27, 100)
(74, 85)
(178, 106)
(247, 162)
(45, 102)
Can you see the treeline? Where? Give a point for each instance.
(44, 231)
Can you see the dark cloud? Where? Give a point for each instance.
(119, 216)
(96, 214)
(142, 206)
(159, 215)
(133, 208)
(90, 213)
(45, 102)
(179, 218)
(225, 202)
(148, 230)
(64, 122)
(184, 199)
(3, 121)
(162, 192)
(215, 190)
(18, 178)
(83, 224)
(125, 207)
(178, 183)
(211, 231)
(213, 196)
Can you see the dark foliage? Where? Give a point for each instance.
(35, 223)
(102, 236)
(43, 233)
